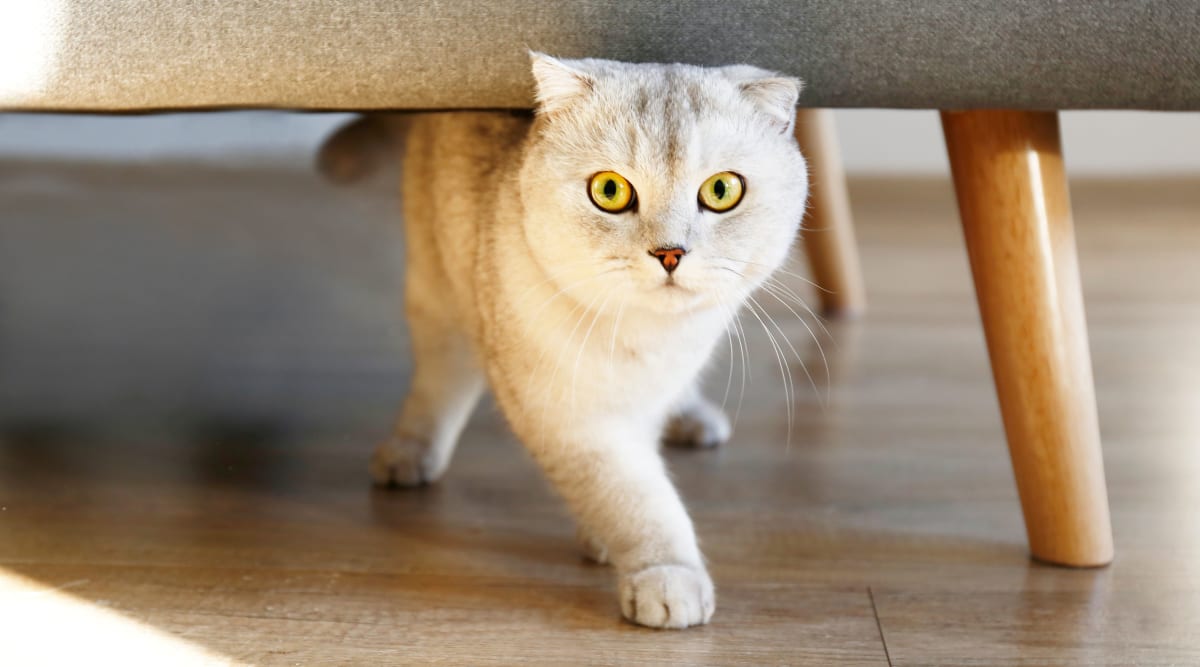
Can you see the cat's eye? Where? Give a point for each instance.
(611, 192)
(721, 192)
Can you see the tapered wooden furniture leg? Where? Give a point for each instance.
(1016, 216)
(828, 229)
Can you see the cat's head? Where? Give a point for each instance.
(663, 187)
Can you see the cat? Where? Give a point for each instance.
(583, 261)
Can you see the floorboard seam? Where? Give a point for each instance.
(879, 626)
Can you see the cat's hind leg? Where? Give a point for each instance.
(696, 422)
(592, 548)
(446, 385)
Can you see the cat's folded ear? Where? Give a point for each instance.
(559, 84)
(773, 94)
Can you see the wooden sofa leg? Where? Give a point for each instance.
(828, 229)
(1016, 216)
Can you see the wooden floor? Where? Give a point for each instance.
(885, 531)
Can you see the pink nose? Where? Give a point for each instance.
(669, 257)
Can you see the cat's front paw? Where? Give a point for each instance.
(405, 461)
(702, 425)
(668, 596)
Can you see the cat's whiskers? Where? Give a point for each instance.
(770, 286)
(782, 270)
(799, 359)
(729, 339)
(783, 289)
(547, 387)
(796, 299)
(533, 318)
(582, 346)
(563, 350)
(616, 328)
(780, 358)
(821, 350)
(533, 372)
(551, 276)
(537, 316)
(743, 348)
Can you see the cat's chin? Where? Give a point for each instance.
(676, 298)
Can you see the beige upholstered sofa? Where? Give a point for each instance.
(1000, 69)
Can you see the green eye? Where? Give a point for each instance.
(721, 192)
(611, 192)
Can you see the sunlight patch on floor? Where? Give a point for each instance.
(44, 625)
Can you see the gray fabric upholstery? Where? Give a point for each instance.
(359, 54)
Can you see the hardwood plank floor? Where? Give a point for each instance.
(152, 525)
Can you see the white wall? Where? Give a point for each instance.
(241, 136)
(1096, 143)
(873, 141)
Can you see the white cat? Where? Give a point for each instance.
(583, 263)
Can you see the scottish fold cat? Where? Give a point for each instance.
(583, 262)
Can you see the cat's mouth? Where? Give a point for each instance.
(671, 284)
(671, 288)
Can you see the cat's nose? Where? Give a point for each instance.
(669, 257)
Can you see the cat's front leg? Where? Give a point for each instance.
(617, 486)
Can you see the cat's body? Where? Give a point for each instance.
(590, 325)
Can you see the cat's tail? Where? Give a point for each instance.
(357, 149)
